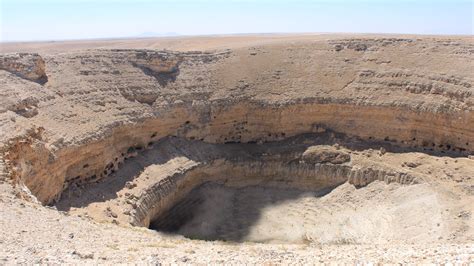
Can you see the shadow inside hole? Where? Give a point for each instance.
(215, 212)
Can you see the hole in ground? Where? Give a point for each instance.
(214, 211)
(262, 200)
(377, 213)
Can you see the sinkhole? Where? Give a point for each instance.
(300, 190)
(260, 213)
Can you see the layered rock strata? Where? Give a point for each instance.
(100, 107)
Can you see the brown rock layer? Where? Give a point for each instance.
(25, 65)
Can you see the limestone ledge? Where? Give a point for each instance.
(47, 168)
(30, 66)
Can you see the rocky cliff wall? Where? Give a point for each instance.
(101, 106)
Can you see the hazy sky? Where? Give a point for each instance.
(25, 20)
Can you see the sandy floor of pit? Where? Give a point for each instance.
(378, 213)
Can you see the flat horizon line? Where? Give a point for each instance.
(178, 36)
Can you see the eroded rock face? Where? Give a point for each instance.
(162, 66)
(97, 159)
(29, 66)
(151, 183)
(325, 154)
(25, 107)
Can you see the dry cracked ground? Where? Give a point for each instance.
(238, 149)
